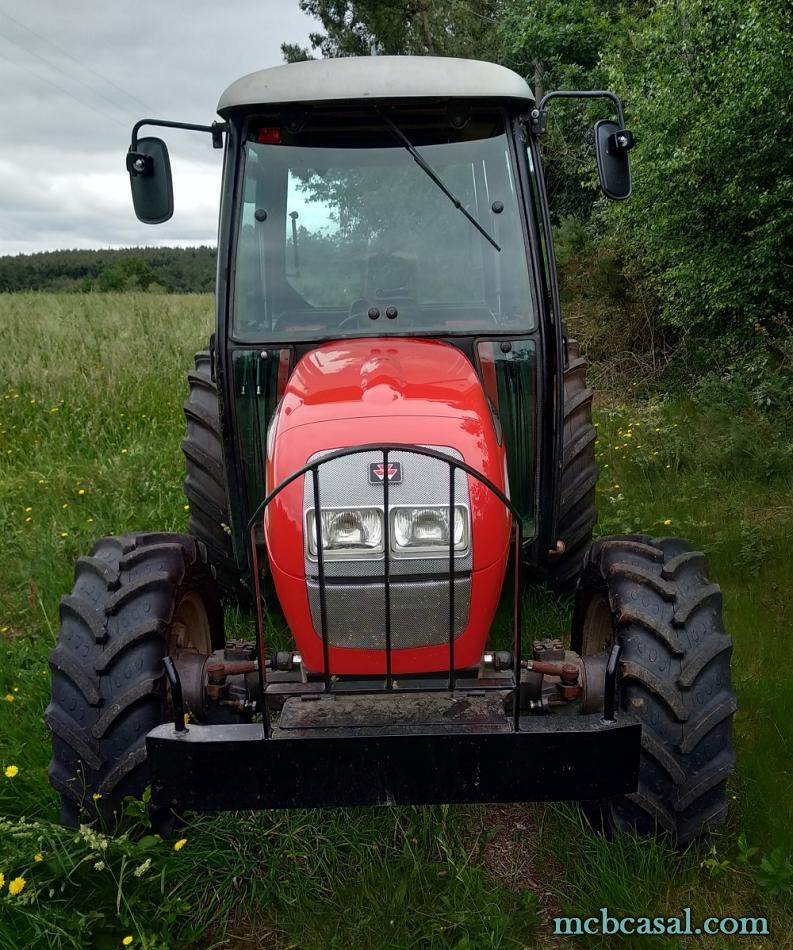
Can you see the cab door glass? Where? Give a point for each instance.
(508, 380)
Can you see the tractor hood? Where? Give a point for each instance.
(365, 379)
(421, 393)
(360, 392)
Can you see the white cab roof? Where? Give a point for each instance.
(375, 77)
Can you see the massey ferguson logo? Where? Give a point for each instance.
(378, 472)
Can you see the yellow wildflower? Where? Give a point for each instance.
(186, 507)
(65, 504)
(9, 698)
(16, 886)
(180, 844)
(667, 520)
(2, 880)
(81, 491)
(11, 771)
(127, 940)
(96, 796)
(123, 451)
(64, 534)
(38, 857)
(28, 509)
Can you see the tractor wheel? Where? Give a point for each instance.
(577, 512)
(136, 598)
(205, 483)
(654, 597)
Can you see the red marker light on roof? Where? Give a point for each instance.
(269, 136)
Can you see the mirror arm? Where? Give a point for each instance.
(623, 139)
(216, 130)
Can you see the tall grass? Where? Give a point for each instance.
(90, 426)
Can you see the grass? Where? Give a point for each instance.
(90, 426)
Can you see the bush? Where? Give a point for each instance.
(708, 92)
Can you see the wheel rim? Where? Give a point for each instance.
(598, 627)
(190, 629)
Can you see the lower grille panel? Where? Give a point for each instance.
(419, 613)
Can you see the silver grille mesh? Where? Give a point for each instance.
(420, 609)
(419, 613)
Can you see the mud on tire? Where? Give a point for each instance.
(654, 596)
(108, 683)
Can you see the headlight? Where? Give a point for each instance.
(348, 530)
(426, 530)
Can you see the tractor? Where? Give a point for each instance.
(389, 443)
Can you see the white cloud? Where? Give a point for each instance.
(66, 125)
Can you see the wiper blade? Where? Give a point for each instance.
(430, 172)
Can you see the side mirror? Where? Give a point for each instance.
(150, 177)
(612, 144)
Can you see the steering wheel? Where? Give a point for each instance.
(358, 310)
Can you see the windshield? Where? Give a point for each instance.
(344, 239)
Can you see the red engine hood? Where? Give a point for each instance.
(419, 392)
(412, 392)
(375, 378)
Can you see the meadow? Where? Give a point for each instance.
(91, 389)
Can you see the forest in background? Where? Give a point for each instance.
(158, 269)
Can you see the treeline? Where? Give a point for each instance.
(695, 269)
(158, 269)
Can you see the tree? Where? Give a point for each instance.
(420, 27)
(558, 44)
(710, 91)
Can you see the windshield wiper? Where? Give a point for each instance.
(430, 172)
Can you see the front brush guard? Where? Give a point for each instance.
(215, 768)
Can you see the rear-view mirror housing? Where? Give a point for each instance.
(612, 144)
(149, 170)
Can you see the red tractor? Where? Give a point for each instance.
(389, 439)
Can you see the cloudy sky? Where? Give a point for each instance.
(76, 75)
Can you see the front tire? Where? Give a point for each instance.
(135, 599)
(653, 597)
(205, 481)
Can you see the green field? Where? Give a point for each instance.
(90, 427)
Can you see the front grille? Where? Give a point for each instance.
(344, 483)
(419, 612)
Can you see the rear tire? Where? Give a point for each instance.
(205, 483)
(577, 511)
(654, 597)
(130, 599)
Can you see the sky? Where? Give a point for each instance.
(76, 75)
